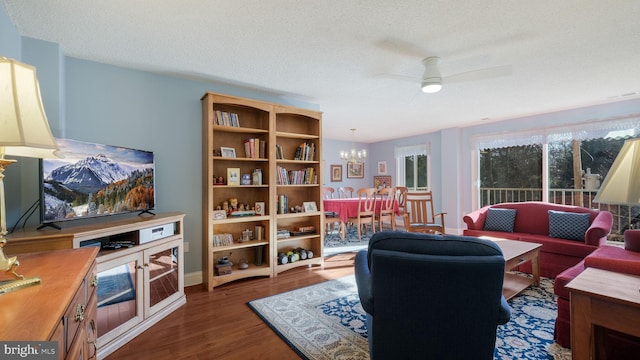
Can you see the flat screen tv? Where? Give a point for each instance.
(92, 180)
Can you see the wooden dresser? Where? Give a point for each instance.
(62, 308)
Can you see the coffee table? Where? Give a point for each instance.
(516, 253)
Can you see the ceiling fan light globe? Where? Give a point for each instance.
(431, 87)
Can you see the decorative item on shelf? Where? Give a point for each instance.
(336, 173)
(247, 235)
(294, 255)
(257, 177)
(233, 176)
(223, 266)
(259, 254)
(246, 179)
(218, 180)
(354, 156)
(259, 208)
(243, 264)
(25, 133)
(228, 152)
(310, 206)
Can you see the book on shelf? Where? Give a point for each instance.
(283, 203)
(255, 148)
(305, 152)
(222, 239)
(224, 118)
(295, 177)
(279, 152)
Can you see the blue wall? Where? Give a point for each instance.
(100, 103)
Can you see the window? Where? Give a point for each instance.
(412, 164)
(559, 165)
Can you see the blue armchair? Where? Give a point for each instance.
(431, 296)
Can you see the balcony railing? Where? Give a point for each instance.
(624, 216)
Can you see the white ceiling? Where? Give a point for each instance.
(334, 53)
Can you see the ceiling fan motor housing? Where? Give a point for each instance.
(431, 79)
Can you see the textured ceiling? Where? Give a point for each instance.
(340, 54)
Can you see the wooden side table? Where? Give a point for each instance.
(602, 299)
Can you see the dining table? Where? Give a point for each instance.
(345, 209)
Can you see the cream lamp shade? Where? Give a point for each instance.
(24, 129)
(621, 186)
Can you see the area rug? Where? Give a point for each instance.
(326, 321)
(114, 286)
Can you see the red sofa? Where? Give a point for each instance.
(612, 258)
(532, 225)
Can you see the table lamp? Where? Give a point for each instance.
(621, 186)
(25, 132)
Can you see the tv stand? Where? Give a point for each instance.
(153, 257)
(146, 212)
(53, 225)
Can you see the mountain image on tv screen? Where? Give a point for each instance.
(95, 180)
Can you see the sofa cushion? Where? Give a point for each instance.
(568, 225)
(500, 220)
(615, 259)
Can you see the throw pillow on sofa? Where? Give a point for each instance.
(500, 219)
(568, 225)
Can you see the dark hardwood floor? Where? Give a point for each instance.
(220, 325)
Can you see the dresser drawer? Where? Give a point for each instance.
(74, 315)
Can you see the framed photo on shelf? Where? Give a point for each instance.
(336, 173)
(355, 170)
(310, 206)
(228, 152)
(259, 207)
(382, 167)
(219, 214)
(233, 176)
(380, 182)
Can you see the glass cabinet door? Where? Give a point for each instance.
(164, 280)
(118, 295)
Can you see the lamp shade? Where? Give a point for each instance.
(24, 129)
(622, 183)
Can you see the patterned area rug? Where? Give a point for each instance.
(326, 321)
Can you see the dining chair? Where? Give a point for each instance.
(327, 192)
(387, 207)
(366, 210)
(420, 216)
(345, 192)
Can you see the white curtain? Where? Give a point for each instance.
(420, 149)
(619, 127)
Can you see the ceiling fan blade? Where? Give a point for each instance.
(401, 47)
(412, 79)
(480, 74)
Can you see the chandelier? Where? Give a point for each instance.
(353, 156)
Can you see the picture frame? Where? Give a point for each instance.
(355, 170)
(219, 214)
(227, 152)
(336, 173)
(382, 167)
(259, 208)
(380, 182)
(233, 176)
(310, 206)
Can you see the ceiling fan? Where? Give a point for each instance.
(432, 80)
